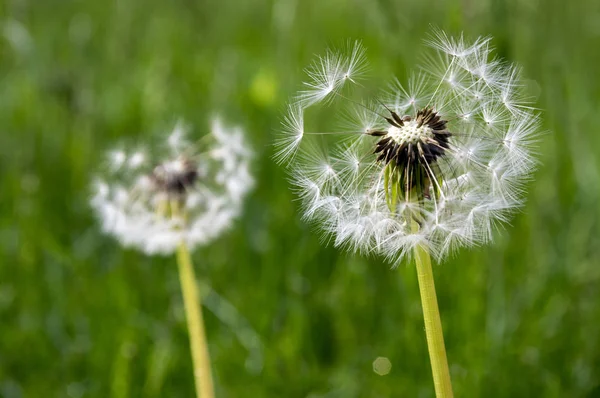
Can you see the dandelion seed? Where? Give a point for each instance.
(291, 134)
(329, 73)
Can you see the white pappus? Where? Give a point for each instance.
(436, 162)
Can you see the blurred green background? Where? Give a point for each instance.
(286, 316)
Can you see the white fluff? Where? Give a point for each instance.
(341, 185)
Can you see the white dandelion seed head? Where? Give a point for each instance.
(206, 180)
(439, 162)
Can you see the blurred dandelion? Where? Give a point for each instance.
(209, 185)
(181, 199)
(423, 169)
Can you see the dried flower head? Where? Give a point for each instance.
(437, 162)
(188, 194)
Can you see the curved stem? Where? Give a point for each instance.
(193, 314)
(433, 323)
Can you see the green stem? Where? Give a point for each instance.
(433, 323)
(193, 314)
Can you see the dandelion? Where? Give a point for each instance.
(171, 200)
(424, 169)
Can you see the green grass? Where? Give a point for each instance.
(81, 317)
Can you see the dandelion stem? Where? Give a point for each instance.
(193, 314)
(433, 323)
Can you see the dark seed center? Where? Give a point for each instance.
(410, 149)
(408, 140)
(176, 177)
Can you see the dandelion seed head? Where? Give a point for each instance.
(206, 181)
(439, 161)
